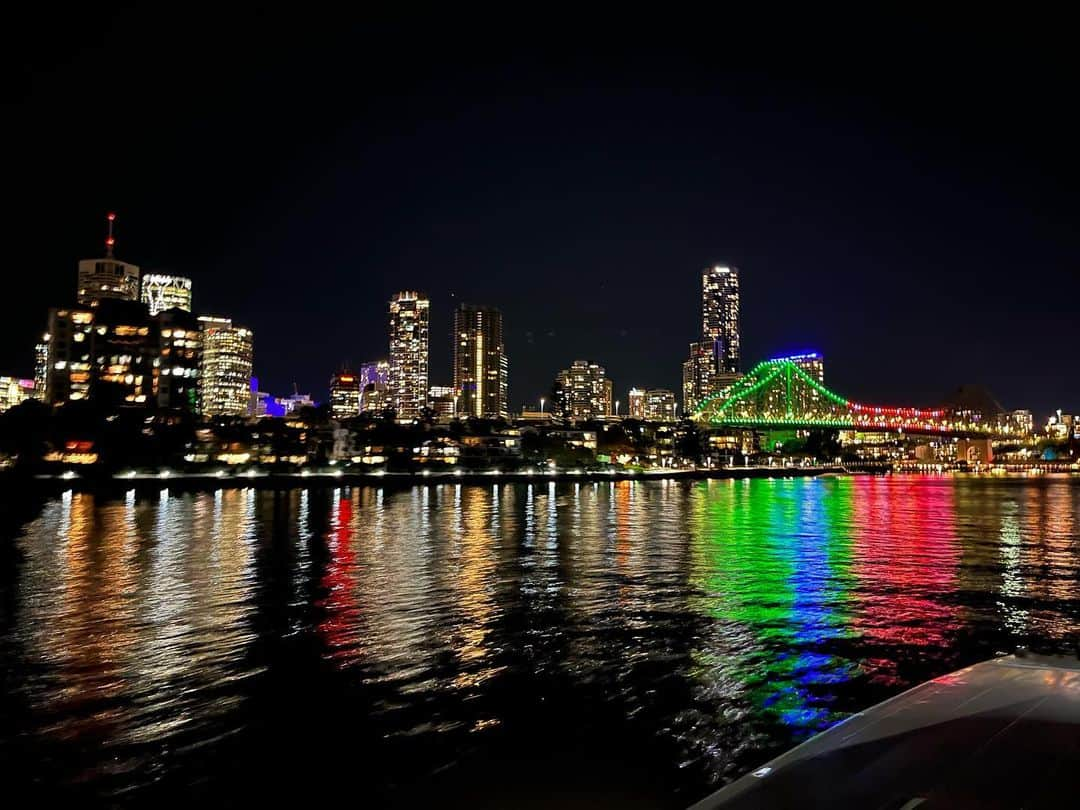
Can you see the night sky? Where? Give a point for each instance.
(900, 194)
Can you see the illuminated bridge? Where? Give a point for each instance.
(781, 395)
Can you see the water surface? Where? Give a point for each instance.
(630, 643)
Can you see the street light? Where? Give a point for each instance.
(541, 406)
(616, 407)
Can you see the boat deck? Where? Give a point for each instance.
(1003, 733)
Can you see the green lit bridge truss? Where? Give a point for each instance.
(781, 395)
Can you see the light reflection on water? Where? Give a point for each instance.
(625, 638)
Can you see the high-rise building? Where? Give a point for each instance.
(41, 369)
(480, 364)
(407, 382)
(161, 291)
(581, 392)
(444, 402)
(607, 395)
(720, 316)
(344, 395)
(225, 368)
(699, 373)
(637, 403)
(105, 353)
(176, 367)
(659, 405)
(14, 391)
(108, 277)
(374, 394)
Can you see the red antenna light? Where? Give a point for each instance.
(110, 240)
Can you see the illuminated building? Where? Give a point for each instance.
(1062, 426)
(607, 397)
(480, 363)
(581, 392)
(294, 402)
(176, 367)
(259, 401)
(225, 369)
(41, 369)
(637, 403)
(374, 393)
(659, 405)
(104, 353)
(14, 391)
(344, 395)
(108, 277)
(407, 383)
(720, 316)
(161, 292)
(444, 402)
(698, 376)
(1020, 423)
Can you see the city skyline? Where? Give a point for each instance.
(918, 243)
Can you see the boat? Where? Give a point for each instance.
(1001, 733)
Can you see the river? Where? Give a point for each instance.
(632, 643)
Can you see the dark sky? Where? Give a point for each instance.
(899, 194)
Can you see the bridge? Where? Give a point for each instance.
(781, 395)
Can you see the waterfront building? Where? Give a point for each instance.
(107, 277)
(175, 369)
(1019, 423)
(161, 291)
(374, 391)
(14, 391)
(720, 316)
(637, 403)
(659, 405)
(225, 368)
(1062, 426)
(344, 395)
(698, 376)
(104, 353)
(41, 368)
(608, 397)
(407, 381)
(480, 362)
(444, 402)
(581, 392)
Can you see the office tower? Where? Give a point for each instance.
(659, 405)
(344, 395)
(14, 391)
(376, 371)
(581, 392)
(720, 316)
(607, 395)
(225, 368)
(637, 403)
(407, 381)
(105, 353)
(161, 292)
(176, 367)
(108, 277)
(444, 402)
(480, 363)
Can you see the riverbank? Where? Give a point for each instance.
(219, 479)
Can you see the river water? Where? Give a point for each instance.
(553, 644)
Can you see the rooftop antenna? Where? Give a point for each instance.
(110, 240)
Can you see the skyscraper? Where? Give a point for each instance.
(161, 292)
(108, 277)
(225, 368)
(581, 392)
(176, 368)
(408, 377)
(374, 397)
(659, 405)
(345, 392)
(720, 316)
(637, 403)
(699, 370)
(480, 364)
